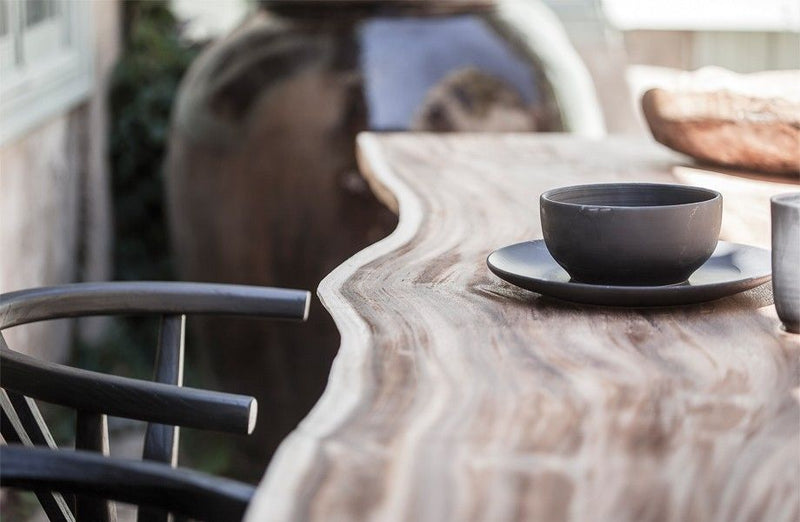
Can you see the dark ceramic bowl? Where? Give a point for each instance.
(637, 234)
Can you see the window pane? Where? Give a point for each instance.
(43, 37)
(39, 10)
(5, 12)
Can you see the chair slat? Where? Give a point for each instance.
(91, 433)
(161, 441)
(54, 504)
(31, 419)
(193, 494)
(124, 397)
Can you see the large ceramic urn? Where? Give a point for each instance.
(262, 178)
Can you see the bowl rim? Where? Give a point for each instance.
(548, 195)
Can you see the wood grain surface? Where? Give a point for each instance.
(456, 396)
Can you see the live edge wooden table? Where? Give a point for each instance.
(457, 397)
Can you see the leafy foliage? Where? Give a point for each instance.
(144, 86)
(143, 89)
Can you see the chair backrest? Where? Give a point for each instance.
(164, 403)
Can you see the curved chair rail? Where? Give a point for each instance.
(181, 491)
(125, 397)
(150, 298)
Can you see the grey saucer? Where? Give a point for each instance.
(732, 268)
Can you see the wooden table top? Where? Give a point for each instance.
(457, 396)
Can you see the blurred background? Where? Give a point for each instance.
(213, 140)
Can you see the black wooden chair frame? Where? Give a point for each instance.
(165, 404)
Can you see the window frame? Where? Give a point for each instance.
(705, 15)
(34, 89)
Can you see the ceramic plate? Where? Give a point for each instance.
(732, 268)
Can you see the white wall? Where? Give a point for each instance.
(210, 19)
(54, 199)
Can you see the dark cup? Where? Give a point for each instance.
(636, 234)
(786, 258)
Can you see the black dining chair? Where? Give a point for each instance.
(164, 404)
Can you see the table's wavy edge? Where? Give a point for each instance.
(277, 492)
(290, 488)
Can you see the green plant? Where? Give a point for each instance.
(144, 86)
(143, 89)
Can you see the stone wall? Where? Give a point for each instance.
(55, 213)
